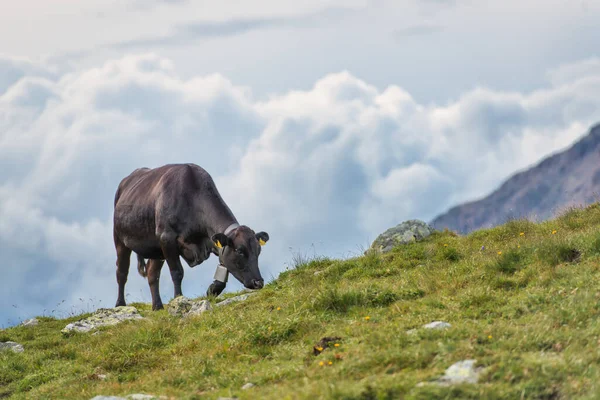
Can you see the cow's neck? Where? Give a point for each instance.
(225, 226)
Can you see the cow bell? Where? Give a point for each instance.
(221, 274)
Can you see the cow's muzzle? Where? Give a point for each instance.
(256, 284)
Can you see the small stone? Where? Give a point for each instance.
(30, 322)
(15, 347)
(247, 386)
(99, 397)
(104, 317)
(235, 299)
(460, 372)
(102, 377)
(437, 325)
(183, 307)
(198, 307)
(135, 396)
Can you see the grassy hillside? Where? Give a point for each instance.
(523, 300)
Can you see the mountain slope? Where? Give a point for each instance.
(526, 307)
(569, 178)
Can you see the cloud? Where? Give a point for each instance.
(14, 68)
(567, 73)
(417, 30)
(329, 167)
(185, 34)
(149, 4)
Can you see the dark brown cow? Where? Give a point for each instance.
(175, 210)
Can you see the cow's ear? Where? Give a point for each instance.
(262, 237)
(221, 240)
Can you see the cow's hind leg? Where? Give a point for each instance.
(170, 248)
(123, 258)
(153, 269)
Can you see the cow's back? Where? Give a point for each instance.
(150, 200)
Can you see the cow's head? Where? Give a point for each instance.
(239, 251)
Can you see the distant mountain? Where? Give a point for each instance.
(571, 177)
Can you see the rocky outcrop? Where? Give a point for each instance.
(406, 232)
(104, 317)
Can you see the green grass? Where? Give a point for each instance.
(526, 306)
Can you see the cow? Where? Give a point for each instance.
(176, 211)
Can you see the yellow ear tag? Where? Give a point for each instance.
(219, 244)
(262, 242)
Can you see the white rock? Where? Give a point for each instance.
(135, 396)
(248, 385)
(30, 322)
(235, 299)
(99, 397)
(102, 377)
(104, 317)
(15, 347)
(437, 325)
(460, 372)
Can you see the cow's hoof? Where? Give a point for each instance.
(120, 304)
(215, 288)
(156, 307)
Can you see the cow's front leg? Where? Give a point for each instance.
(216, 288)
(153, 269)
(168, 243)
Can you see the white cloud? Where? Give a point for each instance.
(331, 166)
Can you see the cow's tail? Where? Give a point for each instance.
(142, 266)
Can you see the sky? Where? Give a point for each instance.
(323, 123)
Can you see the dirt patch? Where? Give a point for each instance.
(571, 255)
(325, 343)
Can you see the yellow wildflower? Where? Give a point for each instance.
(367, 318)
(337, 345)
(278, 308)
(554, 232)
(321, 363)
(490, 336)
(522, 234)
(445, 245)
(518, 246)
(319, 348)
(330, 363)
(499, 253)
